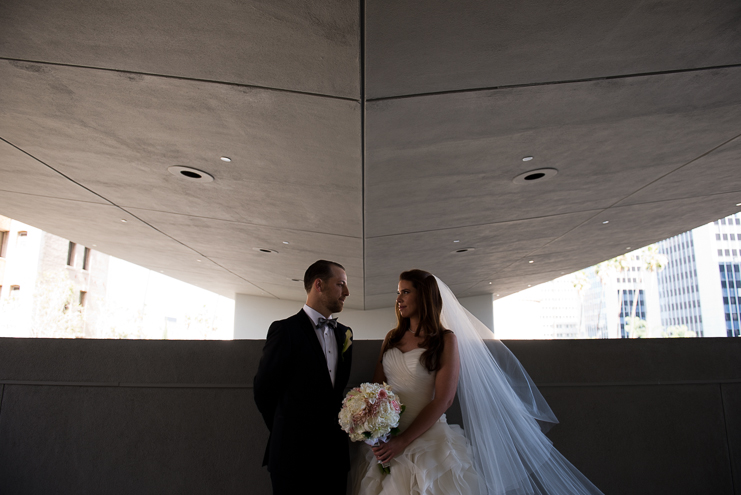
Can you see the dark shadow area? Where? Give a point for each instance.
(122, 417)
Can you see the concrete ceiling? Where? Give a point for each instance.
(375, 134)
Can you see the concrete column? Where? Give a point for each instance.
(482, 307)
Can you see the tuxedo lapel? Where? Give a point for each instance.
(309, 334)
(339, 336)
(343, 362)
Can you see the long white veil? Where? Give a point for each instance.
(505, 416)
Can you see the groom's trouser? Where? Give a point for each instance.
(320, 480)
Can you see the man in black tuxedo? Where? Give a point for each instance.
(300, 385)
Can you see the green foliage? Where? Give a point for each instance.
(636, 327)
(678, 331)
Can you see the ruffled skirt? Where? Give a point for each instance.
(438, 462)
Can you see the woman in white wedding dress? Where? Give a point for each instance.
(436, 348)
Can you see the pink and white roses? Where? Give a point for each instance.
(371, 413)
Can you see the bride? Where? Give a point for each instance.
(436, 347)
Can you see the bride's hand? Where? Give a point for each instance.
(384, 452)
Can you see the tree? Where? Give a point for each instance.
(653, 262)
(608, 271)
(57, 312)
(678, 331)
(580, 281)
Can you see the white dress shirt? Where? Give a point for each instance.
(327, 340)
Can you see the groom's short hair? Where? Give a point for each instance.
(321, 269)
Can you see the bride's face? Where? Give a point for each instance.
(406, 299)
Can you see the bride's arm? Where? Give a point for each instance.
(446, 383)
(379, 376)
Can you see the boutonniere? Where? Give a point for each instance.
(347, 344)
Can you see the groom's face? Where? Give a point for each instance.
(334, 290)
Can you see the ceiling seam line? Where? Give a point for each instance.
(361, 76)
(193, 249)
(614, 205)
(183, 214)
(534, 252)
(240, 222)
(51, 197)
(57, 171)
(482, 224)
(129, 213)
(554, 83)
(182, 78)
(703, 155)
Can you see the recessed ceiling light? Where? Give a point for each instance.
(529, 285)
(464, 250)
(531, 261)
(198, 261)
(286, 242)
(190, 174)
(456, 241)
(489, 283)
(123, 220)
(95, 245)
(537, 175)
(605, 222)
(627, 248)
(266, 250)
(527, 158)
(225, 159)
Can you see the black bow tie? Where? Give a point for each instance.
(332, 322)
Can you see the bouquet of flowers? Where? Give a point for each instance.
(371, 413)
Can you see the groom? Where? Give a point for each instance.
(299, 388)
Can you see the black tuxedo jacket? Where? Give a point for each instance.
(295, 396)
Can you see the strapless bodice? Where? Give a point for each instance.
(410, 380)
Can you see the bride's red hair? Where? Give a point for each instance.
(429, 305)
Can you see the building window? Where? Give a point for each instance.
(20, 241)
(3, 242)
(86, 259)
(71, 254)
(14, 291)
(83, 298)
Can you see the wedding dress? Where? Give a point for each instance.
(437, 462)
(504, 450)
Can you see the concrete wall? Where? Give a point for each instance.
(159, 417)
(253, 316)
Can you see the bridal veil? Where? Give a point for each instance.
(505, 416)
